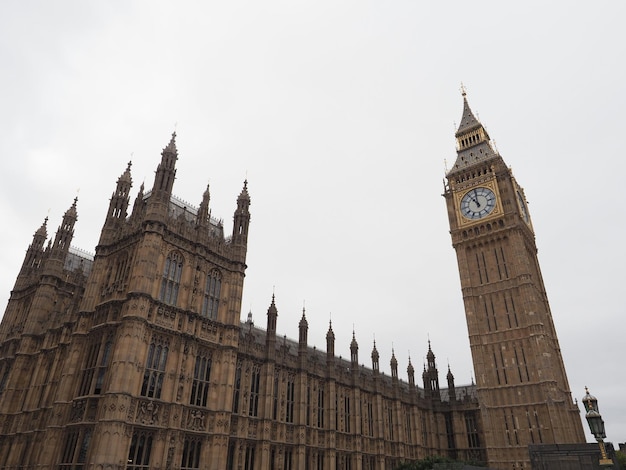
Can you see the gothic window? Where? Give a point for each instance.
(237, 388)
(155, 369)
(407, 425)
(139, 453)
(75, 450)
(346, 413)
(538, 426)
(449, 430)
(287, 459)
(320, 407)
(5, 367)
(96, 365)
(171, 278)
(275, 397)
(308, 404)
(291, 386)
(390, 420)
(200, 384)
(471, 427)
(370, 419)
(212, 290)
(248, 463)
(191, 454)
(254, 391)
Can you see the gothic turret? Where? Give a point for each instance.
(118, 208)
(451, 389)
(394, 366)
(410, 370)
(166, 171)
(303, 328)
(270, 339)
(35, 251)
(204, 215)
(64, 234)
(241, 218)
(375, 359)
(158, 204)
(431, 375)
(354, 353)
(138, 205)
(330, 343)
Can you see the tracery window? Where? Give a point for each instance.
(170, 282)
(96, 365)
(155, 369)
(237, 388)
(255, 383)
(212, 291)
(5, 368)
(291, 386)
(75, 450)
(139, 453)
(191, 454)
(200, 384)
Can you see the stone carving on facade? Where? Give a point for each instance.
(196, 420)
(148, 413)
(78, 410)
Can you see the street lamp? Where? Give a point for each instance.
(596, 424)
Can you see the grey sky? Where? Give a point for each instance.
(341, 116)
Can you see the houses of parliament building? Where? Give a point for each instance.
(137, 357)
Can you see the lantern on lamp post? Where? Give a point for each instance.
(596, 424)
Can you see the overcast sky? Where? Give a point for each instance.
(341, 115)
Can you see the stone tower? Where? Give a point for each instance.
(520, 375)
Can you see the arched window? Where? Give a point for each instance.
(212, 289)
(171, 278)
(201, 376)
(155, 369)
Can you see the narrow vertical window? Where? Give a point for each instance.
(170, 282)
(103, 364)
(75, 450)
(390, 420)
(200, 384)
(212, 290)
(254, 391)
(237, 388)
(249, 459)
(320, 406)
(155, 369)
(346, 412)
(275, 397)
(308, 404)
(191, 454)
(139, 452)
(473, 440)
(96, 365)
(291, 387)
(407, 424)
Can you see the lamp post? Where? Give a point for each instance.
(596, 424)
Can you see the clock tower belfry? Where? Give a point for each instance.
(520, 375)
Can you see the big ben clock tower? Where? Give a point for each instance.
(520, 376)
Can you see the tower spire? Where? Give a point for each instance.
(65, 233)
(166, 171)
(118, 207)
(472, 140)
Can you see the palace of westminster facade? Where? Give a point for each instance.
(137, 358)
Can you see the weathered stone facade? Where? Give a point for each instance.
(137, 358)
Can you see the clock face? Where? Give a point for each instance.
(478, 203)
(522, 206)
